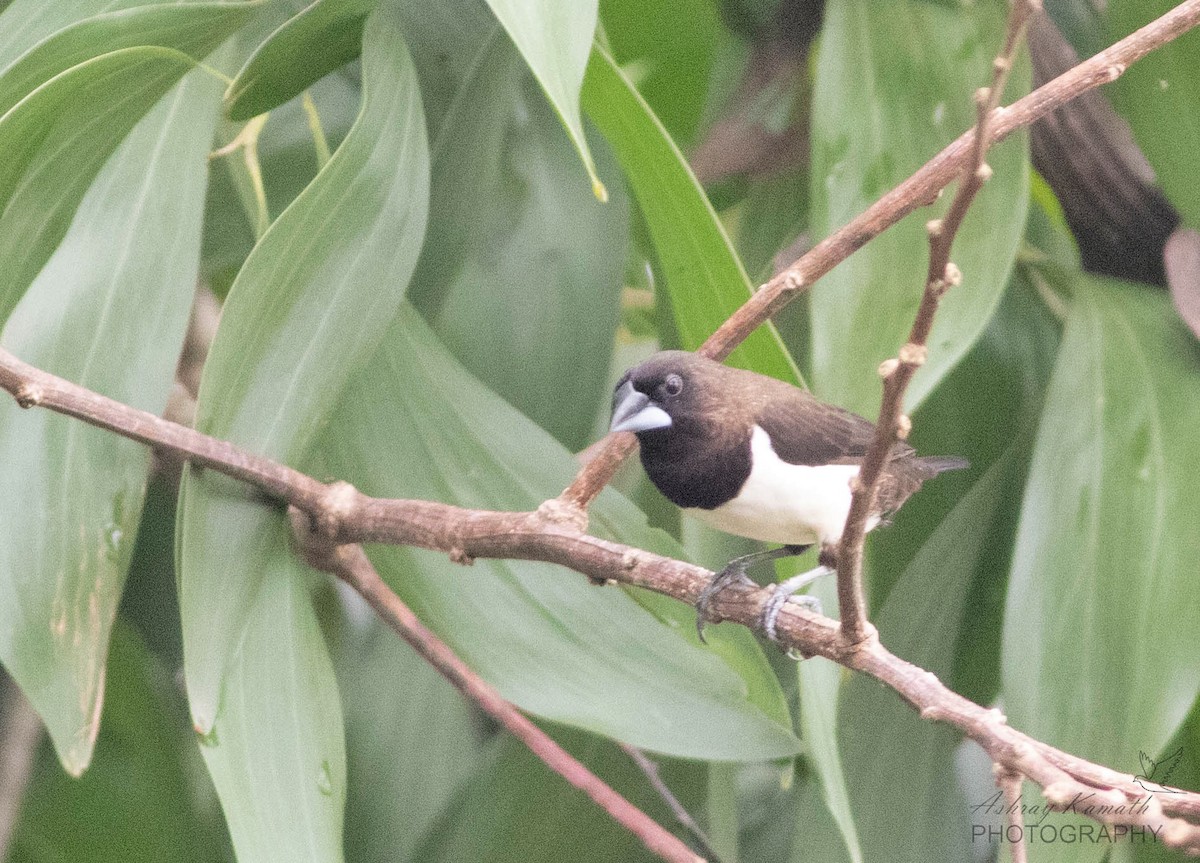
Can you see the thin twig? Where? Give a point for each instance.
(919, 190)
(1010, 785)
(898, 373)
(650, 769)
(20, 733)
(554, 533)
(350, 564)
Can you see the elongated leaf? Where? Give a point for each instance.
(549, 821)
(705, 280)
(893, 87)
(25, 23)
(1160, 97)
(416, 425)
(193, 28)
(909, 796)
(519, 261)
(108, 311)
(1103, 574)
(412, 740)
(555, 39)
(307, 309)
(820, 685)
(674, 44)
(325, 36)
(277, 752)
(141, 798)
(57, 139)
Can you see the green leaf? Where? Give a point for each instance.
(412, 739)
(704, 279)
(820, 689)
(307, 310)
(911, 798)
(674, 45)
(57, 139)
(71, 493)
(416, 425)
(519, 261)
(555, 39)
(277, 751)
(193, 28)
(145, 797)
(549, 821)
(1103, 573)
(1160, 97)
(893, 87)
(323, 37)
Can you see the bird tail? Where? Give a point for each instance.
(936, 464)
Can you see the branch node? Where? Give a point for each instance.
(1059, 794)
(903, 426)
(29, 395)
(558, 511)
(337, 503)
(913, 354)
(888, 366)
(1114, 71)
(792, 282)
(459, 555)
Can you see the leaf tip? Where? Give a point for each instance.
(599, 190)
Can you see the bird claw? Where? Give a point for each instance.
(724, 578)
(784, 591)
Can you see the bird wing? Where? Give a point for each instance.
(806, 431)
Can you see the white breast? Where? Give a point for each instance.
(786, 503)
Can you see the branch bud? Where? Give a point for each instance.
(903, 426)
(913, 354)
(888, 366)
(934, 228)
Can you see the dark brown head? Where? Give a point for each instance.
(670, 392)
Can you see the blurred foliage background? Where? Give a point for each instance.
(435, 234)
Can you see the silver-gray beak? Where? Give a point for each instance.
(634, 412)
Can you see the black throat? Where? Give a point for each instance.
(695, 469)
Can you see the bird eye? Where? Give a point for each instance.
(673, 385)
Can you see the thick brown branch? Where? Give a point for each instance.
(919, 190)
(554, 533)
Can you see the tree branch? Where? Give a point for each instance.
(554, 533)
(919, 190)
(898, 373)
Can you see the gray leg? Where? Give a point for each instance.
(735, 570)
(783, 592)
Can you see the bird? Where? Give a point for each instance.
(757, 457)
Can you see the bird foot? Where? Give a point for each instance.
(785, 591)
(735, 571)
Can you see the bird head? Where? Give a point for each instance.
(653, 396)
